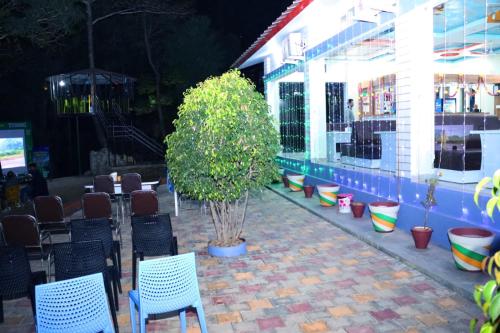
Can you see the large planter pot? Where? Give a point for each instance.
(296, 182)
(358, 209)
(384, 215)
(344, 201)
(421, 236)
(328, 194)
(308, 191)
(469, 247)
(228, 251)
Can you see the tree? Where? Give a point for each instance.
(107, 10)
(223, 146)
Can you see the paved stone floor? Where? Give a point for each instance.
(301, 275)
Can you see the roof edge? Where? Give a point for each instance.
(288, 15)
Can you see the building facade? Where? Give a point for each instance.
(380, 96)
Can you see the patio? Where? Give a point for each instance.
(301, 274)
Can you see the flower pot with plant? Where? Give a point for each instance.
(487, 296)
(471, 245)
(224, 146)
(296, 182)
(384, 215)
(422, 234)
(328, 194)
(308, 191)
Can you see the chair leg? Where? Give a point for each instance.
(132, 314)
(116, 271)
(134, 268)
(201, 318)
(1, 309)
(182, 316)
(142, 322)
(175, 247)
(112, 301)
(118, 257)
(115, 290)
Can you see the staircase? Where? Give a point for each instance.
(123, 138)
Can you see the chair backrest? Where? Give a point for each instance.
(143, 202)
(21, 230)
(131, 182)
(75, 305)
(15, 272)
(168, 284)
(93, 229)
(104, 183)
(77, 259)
(48, 208)
(96, 205)
(152, 235)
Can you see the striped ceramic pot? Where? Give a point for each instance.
(296, 182)
(469, 247)
(384, 215)
(328, 194)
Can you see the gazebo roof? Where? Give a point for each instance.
(82, 77)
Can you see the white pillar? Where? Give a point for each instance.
(273, 100)
(415, 91)
(315, 108)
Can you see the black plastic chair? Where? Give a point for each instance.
(23, 230)
(16, 278)
(76, 259)
(99, 229)
(97, 205)
(151, 236)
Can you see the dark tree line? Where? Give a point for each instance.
(167, 44)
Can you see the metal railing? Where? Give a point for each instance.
(116, 127)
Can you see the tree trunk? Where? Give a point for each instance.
(90, 43)
(228, 218)
(100, 128)
(157, 74)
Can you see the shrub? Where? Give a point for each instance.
(224, 145)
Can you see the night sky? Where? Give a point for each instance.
(247, 19)
(119, 46)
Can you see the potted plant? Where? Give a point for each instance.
(224, 146)
(308, 191)
(422, 234)
(328, 194)
(487, 296)
(471, 245)
(358, 209)
(296, 182)
(384, 215)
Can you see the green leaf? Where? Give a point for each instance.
(479, 187)
(486, 328)
(489, 290)
(494, 310)
(490, 206)
(472, 325)
(478, 293)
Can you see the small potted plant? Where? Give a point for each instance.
(308, 191)
(296, 182)
(487, 296)
(384, 215)
(328, 194)
(471, 245)
(422, 234)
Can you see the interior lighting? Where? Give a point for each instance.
(62, 83)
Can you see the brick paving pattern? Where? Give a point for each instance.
(301, 274)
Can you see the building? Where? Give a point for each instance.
(379, 96)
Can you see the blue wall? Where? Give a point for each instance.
(454, 208)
